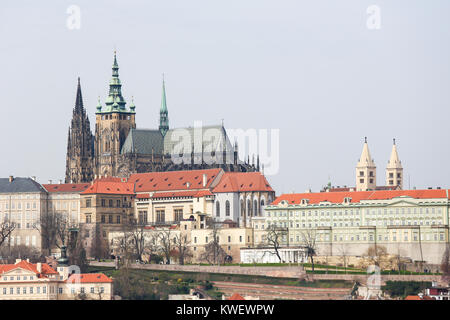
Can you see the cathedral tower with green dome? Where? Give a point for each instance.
(113, 123)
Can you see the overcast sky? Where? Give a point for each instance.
(311, 69)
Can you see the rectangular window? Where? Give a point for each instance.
(160, 216)
(88, 203)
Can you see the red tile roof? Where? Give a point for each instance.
(411, 297)
(66, 187)
(242, 181)
(357, 196)
(89, 278)
(46, 269)
(106, 187)
(191, 193)
(173, 180)
(236, 296)
(111, 179)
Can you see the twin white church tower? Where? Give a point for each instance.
(366, 171)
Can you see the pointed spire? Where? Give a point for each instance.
(79, 98)
(163, 96)
(394, 161)
(365, 159)
(115, 100)
(163, 112)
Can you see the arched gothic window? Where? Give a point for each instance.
(217, 209)
(227, 208)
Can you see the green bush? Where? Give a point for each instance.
(404, 288)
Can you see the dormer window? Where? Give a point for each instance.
(304, 201)
(347, 200)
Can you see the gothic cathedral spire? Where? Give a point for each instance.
(80, 144)
(163, 112)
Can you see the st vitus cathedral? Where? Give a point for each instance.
(119, 149)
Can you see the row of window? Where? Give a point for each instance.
(12, 278)
(218, 239)
(19, 205)
(357, 211)
(37, 290)
(25, 290)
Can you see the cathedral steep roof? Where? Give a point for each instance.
(143, 141)
(242, 182)
(206, 139)
(175, 180)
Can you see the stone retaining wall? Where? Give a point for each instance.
(277, 272)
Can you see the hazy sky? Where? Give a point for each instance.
(309, 68)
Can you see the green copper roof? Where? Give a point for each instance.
(115, 101)
(163, 112)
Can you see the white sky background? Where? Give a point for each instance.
(310, 68)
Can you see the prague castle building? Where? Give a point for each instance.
(120, 149)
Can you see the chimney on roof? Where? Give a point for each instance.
(11, 178)
(39, 267)
(205, 179)
(18, 260)
(60, 181)
(439, 188)
(49, 181)
(33, 178)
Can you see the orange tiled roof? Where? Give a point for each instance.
(236, 296)
(89, 278)
(46, 269)
(411, 297)
(357, 196)
(111, 179)
(242, 181)
(191, 193)
(66, 187)
(173, 180)
(107, 187)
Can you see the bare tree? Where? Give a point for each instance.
(214, 253)
(166, 243)
(274, 239)
(47, 227)
(6, 228)
(377, 255)
(309, 242)
(182, 246)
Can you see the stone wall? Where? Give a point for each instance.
(277, 272)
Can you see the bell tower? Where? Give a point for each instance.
(366, 171)
(113, 122)
(394, 169)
